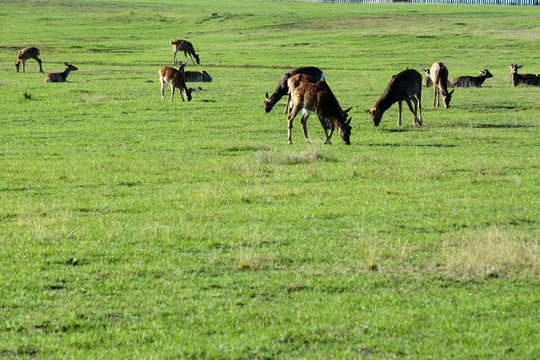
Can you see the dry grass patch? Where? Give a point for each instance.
(493, 252)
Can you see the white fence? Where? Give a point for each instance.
(477, 2)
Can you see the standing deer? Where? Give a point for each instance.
(187, 48)
(60, 76)
(312, 98)
(282, 88)
(296, 80)
(439, 77)
(471, 81)
(25, 54)
(525, 79)
(405, 86)
(427, 82)
(168, 75)
(197, 76)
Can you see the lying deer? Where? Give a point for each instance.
(439, 77)
(187, 48)
(525, 79)
(312, 98)
(282, 88)
(197, 76)
(25, 54)
(168, 75)
(471, 81)
(60, 76)
(405, 86)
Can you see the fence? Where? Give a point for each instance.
(476, 2)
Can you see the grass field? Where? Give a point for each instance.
(136, 228)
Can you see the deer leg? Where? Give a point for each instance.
(399, 113)
(434, 95)
(287, 109)
(303, 122)
(23, 65)
(325, 126)
(39, 62)
(290, 118)
(163, 85)
(411, 108)
(174, 56)
(172, 91)
(419, 103)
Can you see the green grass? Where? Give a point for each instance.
(135, 228)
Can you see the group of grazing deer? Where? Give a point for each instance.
(308, 91)
(178, 78)
(33, 53)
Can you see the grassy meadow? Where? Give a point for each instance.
(136, 228)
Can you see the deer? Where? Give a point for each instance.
(427, 82)
(296, 80)
(25, 54)
(187, 48)
(525, 79)
(471, 81)
(405, 86)
(197, 76)
(312, 98)
(60, 76)
(439, 76)
(168, 75)
(282, 88)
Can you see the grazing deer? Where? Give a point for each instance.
(60, 76)
(439, 77)
(405, 86)
(25, 54)
(296, 80)
(187, 48)
(525, 79)
(168, 75)
(197, 76)
(471, 81)
(312, 98)
(282, 88)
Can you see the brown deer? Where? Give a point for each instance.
(405, 86)
(525, 79)
(187, 48)
(296, 80)
(25, 54)
(197, 76)
(471, 81)
(312, 98)
(282, 88)
(168, 75)
(60, 76)
(439, 77)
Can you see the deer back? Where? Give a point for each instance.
(197, 76)
(282, 87)
(439, 76)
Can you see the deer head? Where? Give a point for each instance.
(268, 103)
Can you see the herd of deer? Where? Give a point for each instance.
(308, 91)
(167, 75)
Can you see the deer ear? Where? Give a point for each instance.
(346, 111)
(368, 111)
(520, 66)
(451, 92)
(267, 95)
